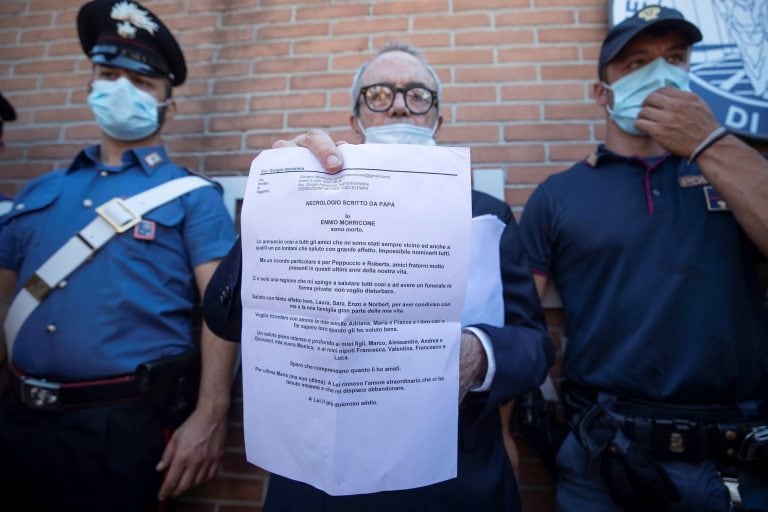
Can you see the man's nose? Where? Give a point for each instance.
(398, 105)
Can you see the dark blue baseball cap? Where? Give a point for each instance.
(124, 34)
(652, 16)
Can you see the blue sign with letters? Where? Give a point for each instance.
(729, 67)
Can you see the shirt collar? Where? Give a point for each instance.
(603, 155)
(148, 158)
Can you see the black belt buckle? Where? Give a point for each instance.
(41, 394)
(676, 439)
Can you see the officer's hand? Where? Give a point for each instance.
(678, 120)
(320, 144)
(193, 454)
(473, 363)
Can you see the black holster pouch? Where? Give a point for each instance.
(635, 480)
(170, 385)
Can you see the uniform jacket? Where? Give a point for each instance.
(134, 300)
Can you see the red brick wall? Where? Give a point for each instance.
(516, 76)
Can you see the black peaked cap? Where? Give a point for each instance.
(124, 34)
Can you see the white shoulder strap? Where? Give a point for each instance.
(115, 216)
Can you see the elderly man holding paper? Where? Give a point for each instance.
(504, 351)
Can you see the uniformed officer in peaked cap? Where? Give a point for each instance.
(126, 35)
(102, 264)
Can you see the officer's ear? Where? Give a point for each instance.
(170, 108)
(166, 112)
(601, 94)
(170, 104)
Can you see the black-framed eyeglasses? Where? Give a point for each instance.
(380, 97)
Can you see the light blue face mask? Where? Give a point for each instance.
(399, 133)
(124, 112)
(630, 91)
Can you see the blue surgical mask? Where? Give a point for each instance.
(399, 133)
(630, 91)
(124, 112)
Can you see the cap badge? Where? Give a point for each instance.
(649, 13)
(131, 18)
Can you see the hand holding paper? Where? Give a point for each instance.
(353, 289)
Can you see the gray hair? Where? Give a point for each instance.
(392, 46)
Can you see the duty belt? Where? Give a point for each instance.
(682, 432)
(47, 395)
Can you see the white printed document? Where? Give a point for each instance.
(484, 302)
(353, 291)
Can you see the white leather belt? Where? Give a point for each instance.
(113, 217)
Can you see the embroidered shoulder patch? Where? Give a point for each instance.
(145, 230)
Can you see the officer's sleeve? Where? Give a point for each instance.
(222, 305)
(536, 227)
(522, 347)
(35, 195)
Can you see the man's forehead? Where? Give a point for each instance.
(397, 67)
